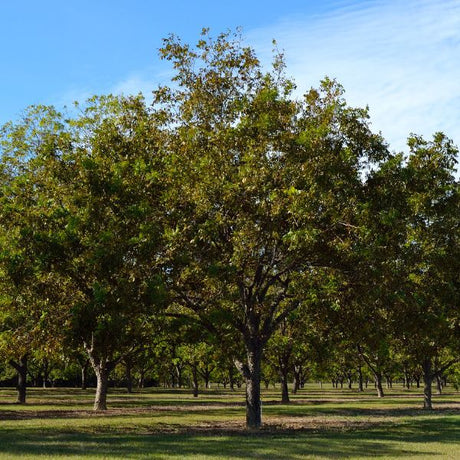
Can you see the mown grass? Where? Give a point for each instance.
(171, 424)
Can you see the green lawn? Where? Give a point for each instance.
(157, 423)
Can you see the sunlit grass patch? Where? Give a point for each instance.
(159, 423)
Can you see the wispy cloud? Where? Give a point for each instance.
(400, 57)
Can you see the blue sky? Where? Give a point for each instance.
(399, 57)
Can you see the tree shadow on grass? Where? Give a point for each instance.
(268, 443)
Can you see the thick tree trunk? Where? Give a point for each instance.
(428, 380)
(251, 371)
(253, 404)
(102, 368)
(102, 376)
(378, 384)
(21, 368)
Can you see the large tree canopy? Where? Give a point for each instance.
(267, 191)
(231, 205)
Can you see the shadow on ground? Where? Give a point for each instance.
(406, 439)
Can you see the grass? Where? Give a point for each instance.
(171, 424)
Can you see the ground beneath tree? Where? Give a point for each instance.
(345, 419)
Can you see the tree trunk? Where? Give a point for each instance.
(129, 377)
(46, 372)
(102, 376)
(350, 380)
(195, 380)
(141, 381)
(284, 386)
(178, 368)
(406, 383)
(102, 368)
(427, 379)
(231, 378)
(297, 378)
(21, 368)
(378, 384)
(84, 375)
(251, 371)
(438, 384)
(360, 379)
(253, 405)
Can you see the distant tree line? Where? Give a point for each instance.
(230, 231)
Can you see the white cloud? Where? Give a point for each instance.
(400, 57)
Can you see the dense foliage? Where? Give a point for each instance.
(228, 219)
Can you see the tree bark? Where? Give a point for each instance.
(102, 377)
(406, 383)
(231, 378)
(46, 372)
(427, 380)
(102, 368)
(128, 375)
(251, 371)
(21, 368)
(349, 380)
(438, 384)
(284, 386)
(360, 380)
(195, 380)
(297, 378)
(378, 384)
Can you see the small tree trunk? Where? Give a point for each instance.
(297, 378)
(84, 375)
(141, 381)
(231, 378)
(129, 377)
(406, 381)
(427, 379)
(21, 368)
(438, 384)
(178, 368)
(350, 380)
(360, 380)
(284, 386)
(46, 372)
(195, 380)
